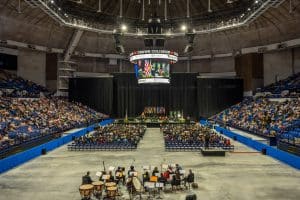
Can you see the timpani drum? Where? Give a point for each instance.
(86, 191)
(111, 192)
(98, 186)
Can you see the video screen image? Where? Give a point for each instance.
(153, 71)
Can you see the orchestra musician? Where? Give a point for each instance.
(131, 170)
(111, 177)
(155, 171)
(86, 179)
(120, 175)
(190, 178)
(146, 177)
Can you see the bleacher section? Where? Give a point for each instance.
(115, 137)
(193, 138)
(26, 120)
(14, 86)
(266, 118)
(283, 88)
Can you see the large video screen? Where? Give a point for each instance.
(152, 71)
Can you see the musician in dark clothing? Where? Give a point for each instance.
(162, 179)
(86, 179)
(131, 170)
(155, 171)
(176, 180)
(190, 178)
(146, 177)
(111, 177)
(120, 175)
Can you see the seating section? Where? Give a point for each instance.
(23, 120)
(264, 117)
(192, 137)
(291, 84)
(14, 86)
(110, 137)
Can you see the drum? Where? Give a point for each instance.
(153, 179)
(111, 192)
(86, 190)
(98, 186)
(110, 184)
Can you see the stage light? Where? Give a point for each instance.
(183, 27)
(123, 27)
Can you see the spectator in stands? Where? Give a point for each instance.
(25, 119)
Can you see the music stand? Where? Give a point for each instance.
(150, 186)
(159, 185)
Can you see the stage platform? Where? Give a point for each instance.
(213, 152)
(152, 124)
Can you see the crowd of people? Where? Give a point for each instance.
(24, 119)
(114, 134)
(262, 116)
(149, 179)
(15, 86)
(284, 88)
(193, 135)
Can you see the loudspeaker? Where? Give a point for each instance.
(191, 197)
(44, 151)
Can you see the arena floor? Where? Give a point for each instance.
(245, 174)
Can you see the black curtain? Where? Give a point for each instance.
(96, 93)
(217, 94)
(179, 95)
(195, 97)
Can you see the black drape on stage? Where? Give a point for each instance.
(195, 97)
(96, 93)
(217, 94)
(179, 95)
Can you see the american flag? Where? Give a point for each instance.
(147, 68)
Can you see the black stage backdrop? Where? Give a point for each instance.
(193, 96)
(217, 94)
(179, 95)
(96, 93)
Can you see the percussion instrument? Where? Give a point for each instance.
(86, 191)
(153, 179)
(111, 191)
(98, 186)
(110, 184)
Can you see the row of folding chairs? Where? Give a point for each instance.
(74, 147)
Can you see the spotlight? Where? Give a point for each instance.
(183, 27)
(123, 27)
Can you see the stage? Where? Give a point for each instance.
(152, 123)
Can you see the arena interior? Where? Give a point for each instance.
(150, 99)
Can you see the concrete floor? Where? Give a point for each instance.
(244, 174)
